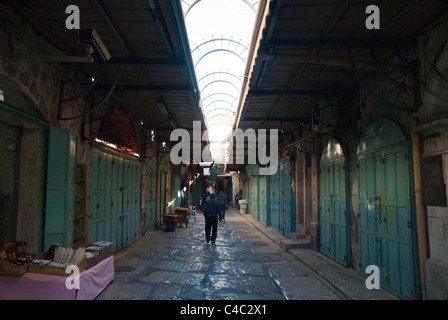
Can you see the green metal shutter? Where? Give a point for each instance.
(385, 209)
(60, 191)
(114, 199)
(264, 199)
(333, 204)
(151, 196)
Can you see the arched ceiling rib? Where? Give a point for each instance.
(222, 111)
(221, 75)
(216, 97)
(228, 45)
(220, 102)
(221, 81)
(222, 120)
(188, 5)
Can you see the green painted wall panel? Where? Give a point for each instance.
(151, 196)
(282, 199)
(263, 186)
(274, 191)
(59, 213)
(334, 235)
(253, 197)
(385, 208)
(115, 199)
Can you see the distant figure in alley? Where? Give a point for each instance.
(211, 213)
(223, 203)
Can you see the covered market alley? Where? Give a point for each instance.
(325, 124)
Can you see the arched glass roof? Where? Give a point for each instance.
(187, 5)
(219, 33)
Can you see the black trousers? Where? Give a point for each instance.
(211, 225)
(222, 214)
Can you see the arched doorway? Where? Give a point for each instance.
(386, 222)
(334, 231)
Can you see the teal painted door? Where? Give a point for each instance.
(287, 198)
(161, 197)
(150, 222)
(114, 199)
(106, 198)
(274, 209)
(246, 182)
(263, 192)
(131, 202)
(282, 199)
(253, 199)
(284, 223)
(385, 222)
(60, 195)
(333, 205)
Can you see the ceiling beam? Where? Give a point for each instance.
(147, 87)
(328, 61)
(275, 119)
(386, 42)
(145, 61)
(296, 92)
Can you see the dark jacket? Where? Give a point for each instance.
(222, 200)
(211, 208)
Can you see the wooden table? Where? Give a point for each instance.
(176, 218)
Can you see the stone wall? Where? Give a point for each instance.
(433, 133)
(31, 87)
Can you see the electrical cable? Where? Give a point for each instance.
(110, 110)
(383, 73)
(88, 90)
(97, 106)
(377, 97)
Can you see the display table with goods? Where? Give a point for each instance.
(58, 274)
(182, 215)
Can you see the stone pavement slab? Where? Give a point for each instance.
(247, 263)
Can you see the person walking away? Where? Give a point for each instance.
(211, 213)
(223, 202)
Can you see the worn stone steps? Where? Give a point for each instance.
(303, 242)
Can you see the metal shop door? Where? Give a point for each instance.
(114, 199)
(151, 180)
(334, 231)
(263, 194)
(60, 192)
(287, 199)
(385, 211)
(253, 200)
(274, 191)
(282, 209)
(131, 202)
(161, 197)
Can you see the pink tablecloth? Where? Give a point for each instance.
(34, 286)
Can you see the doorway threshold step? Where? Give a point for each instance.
(302, 243)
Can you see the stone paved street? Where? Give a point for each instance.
(246, 263)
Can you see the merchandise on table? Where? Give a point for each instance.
(14, 259)
(59, 259)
